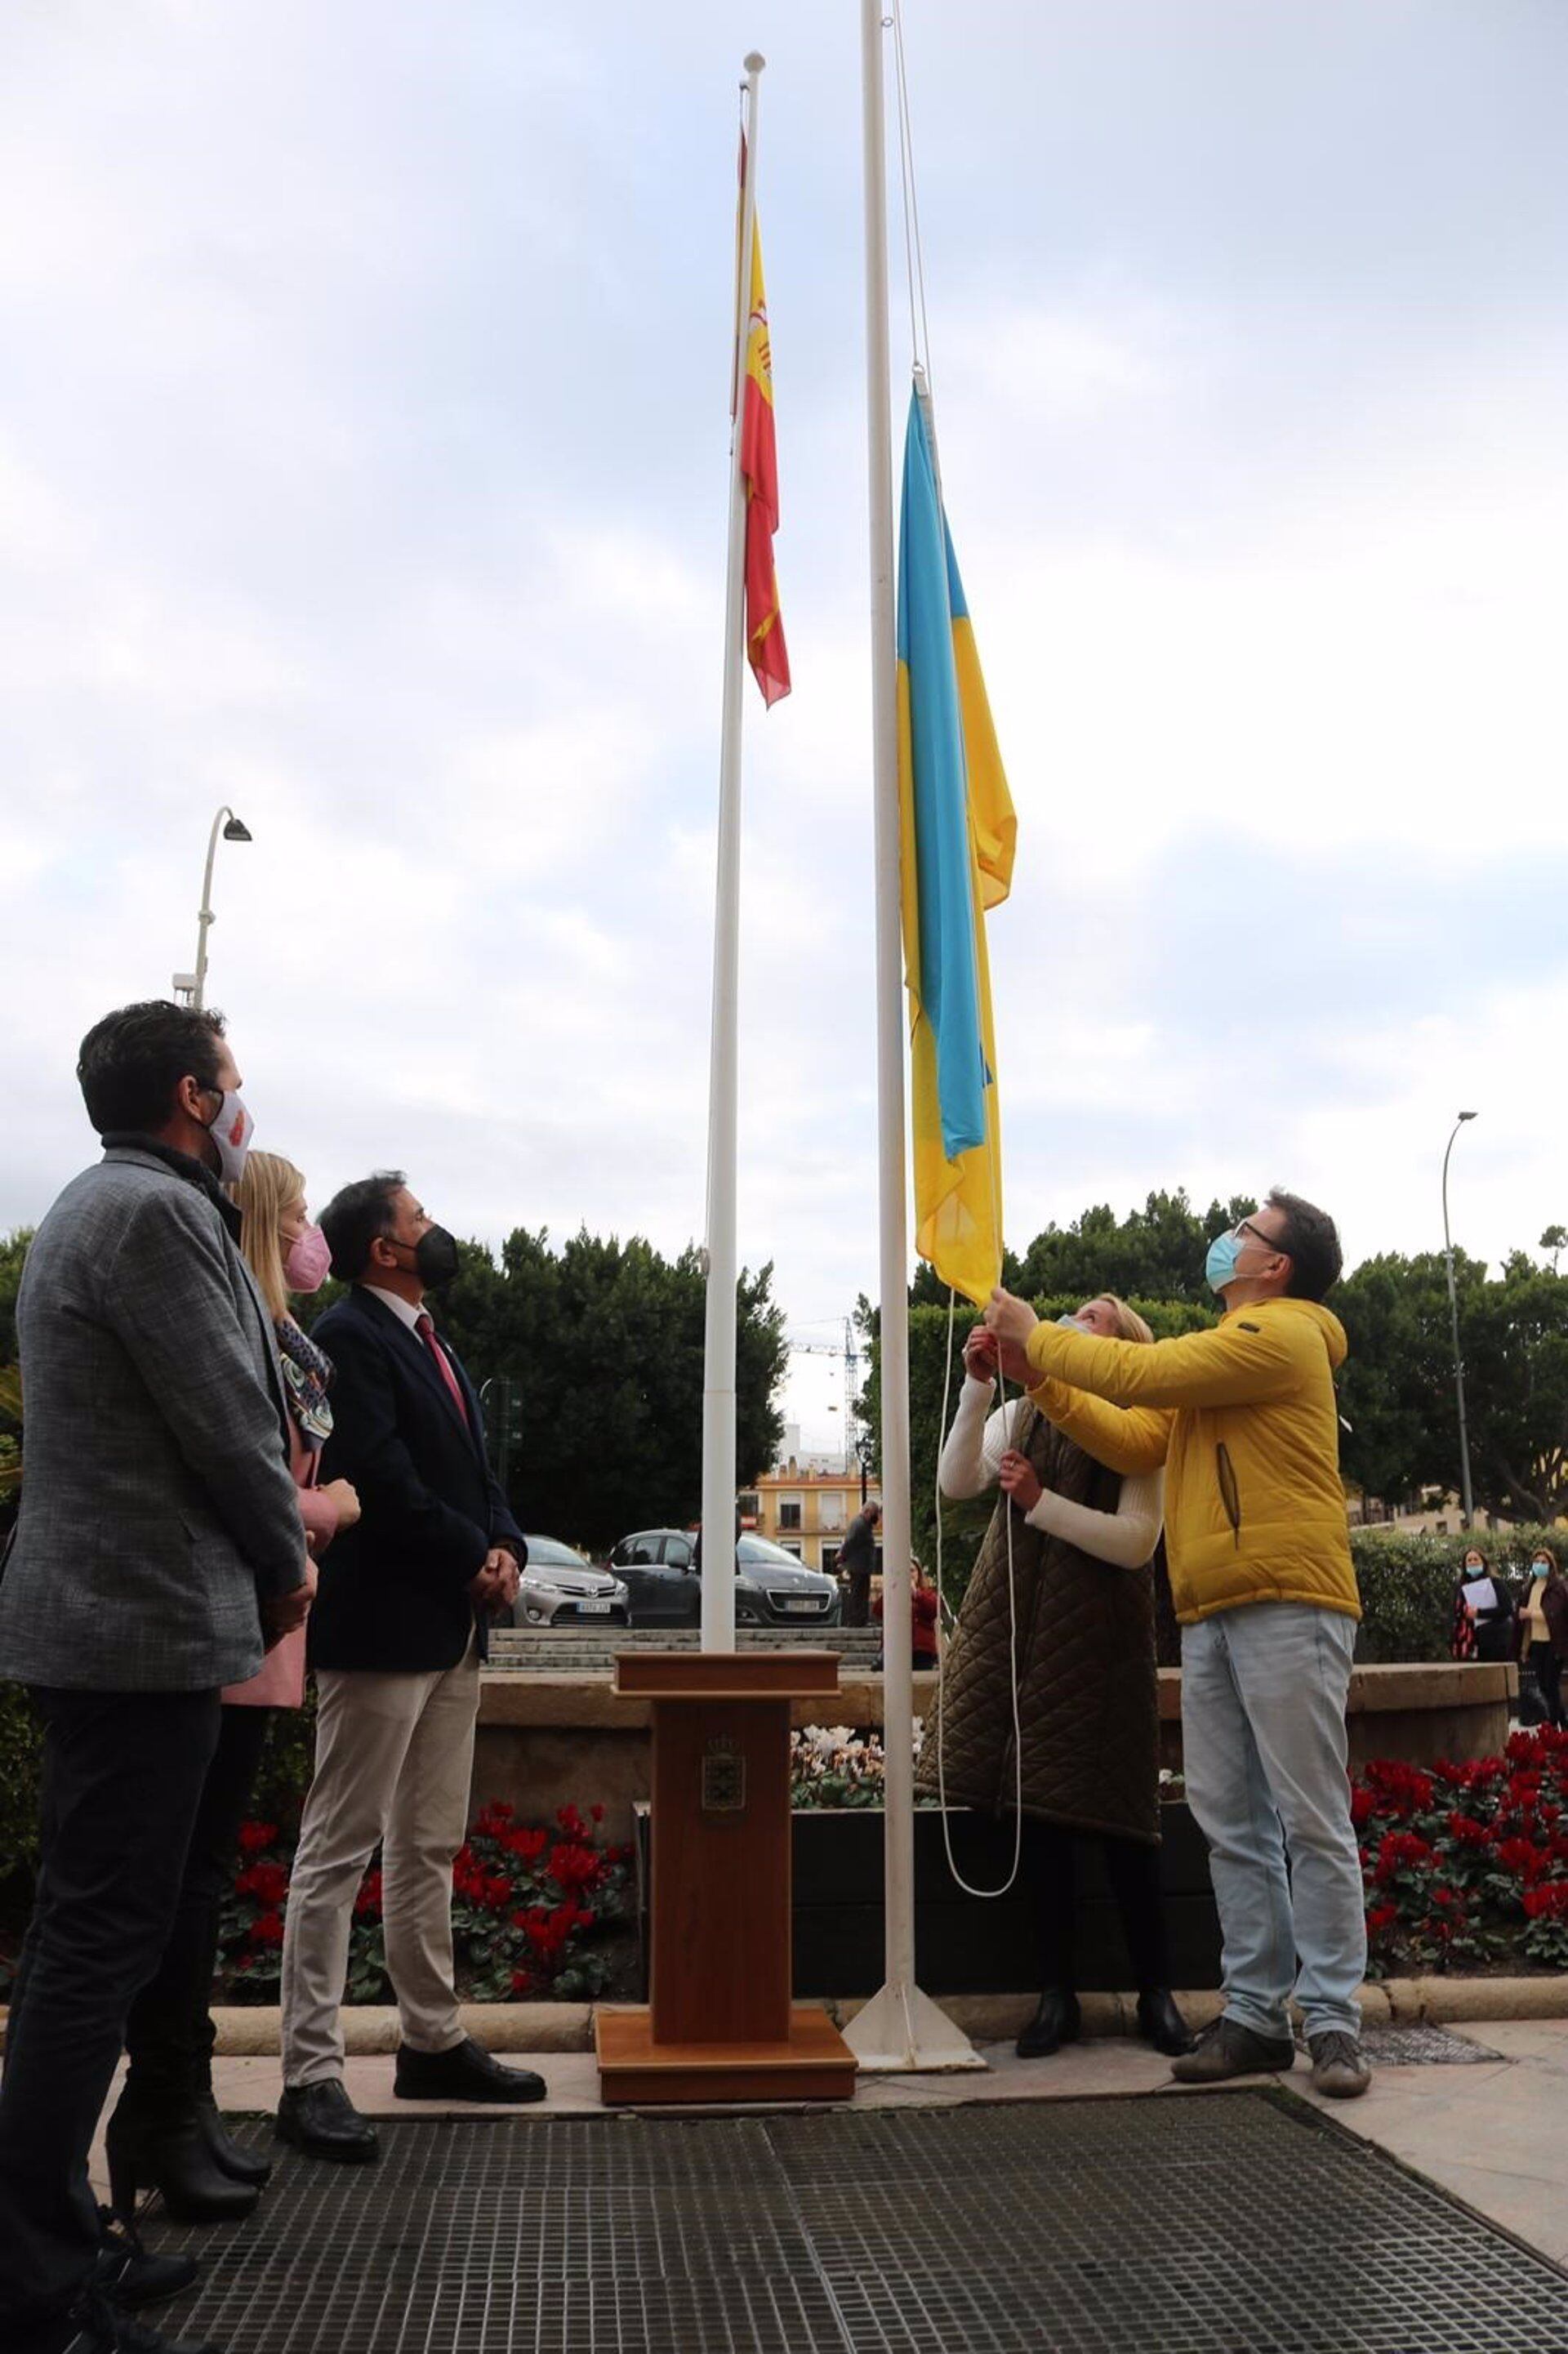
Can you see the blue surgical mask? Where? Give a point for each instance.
(1220, 1267)
(1220, 1263)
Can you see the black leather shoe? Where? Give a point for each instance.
(1057, 2022)
(323, 2121)
(1227, 2049)
(1160, 2023)
(127, 2274)
(229, 2156)
(466, 2072)
(163, 2149)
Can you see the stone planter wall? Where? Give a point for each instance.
(547, 1741)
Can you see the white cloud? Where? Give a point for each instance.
(1063, 363)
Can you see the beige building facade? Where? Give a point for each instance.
(806, 1511)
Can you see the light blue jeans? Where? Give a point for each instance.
(1263, 1735)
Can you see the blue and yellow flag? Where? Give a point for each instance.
(958, 835)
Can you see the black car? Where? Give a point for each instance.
(659, 1569)
(559, 1588)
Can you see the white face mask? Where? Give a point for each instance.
(231, 1131)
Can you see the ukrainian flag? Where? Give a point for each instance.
(957, 835)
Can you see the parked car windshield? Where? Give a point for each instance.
(550, 1551)
(765, 1555)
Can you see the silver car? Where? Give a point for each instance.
(559, 1588)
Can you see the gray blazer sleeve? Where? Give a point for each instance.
(169, 1298)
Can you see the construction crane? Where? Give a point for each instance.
(855, 1446)
(845, 1350)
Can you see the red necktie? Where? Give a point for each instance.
(424, 1325)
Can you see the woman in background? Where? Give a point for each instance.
(1483, 1612)
(165, 2133)
(1543, 1631)
(925, 1609)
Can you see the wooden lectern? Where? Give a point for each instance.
(720, 2024)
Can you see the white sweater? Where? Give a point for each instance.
(972, 1458)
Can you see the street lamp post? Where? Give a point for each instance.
(190, 988)
(1454, 1320)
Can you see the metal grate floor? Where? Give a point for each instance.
(1422, 2046)
(1237, 2223)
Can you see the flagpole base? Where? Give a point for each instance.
(900, 2031)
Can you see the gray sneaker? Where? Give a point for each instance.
(1340, 2069)
(1226, 2049)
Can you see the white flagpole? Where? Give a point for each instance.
(900, 2028)
(718, 1359)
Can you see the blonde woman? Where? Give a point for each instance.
(1543, 1631)
(165, 2133)
(1082, 1541)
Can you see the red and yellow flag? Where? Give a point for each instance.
(765, 647)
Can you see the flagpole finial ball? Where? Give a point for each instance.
(755, 62)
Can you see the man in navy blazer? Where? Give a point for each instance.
(397, 1637)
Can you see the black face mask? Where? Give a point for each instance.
(435, 1256)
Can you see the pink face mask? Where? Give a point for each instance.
(307, 1261)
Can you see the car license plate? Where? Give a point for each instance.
(594, 1609)
(805, 1603)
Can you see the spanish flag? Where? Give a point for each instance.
(957, 832)
(764, 648)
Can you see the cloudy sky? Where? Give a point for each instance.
(363, 450)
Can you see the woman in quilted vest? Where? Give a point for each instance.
(1083, 1540)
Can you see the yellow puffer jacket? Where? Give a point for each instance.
(1244, 1419)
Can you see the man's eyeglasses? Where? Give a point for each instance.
(1243, 1230)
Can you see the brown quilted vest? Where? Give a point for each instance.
(1086, 1690)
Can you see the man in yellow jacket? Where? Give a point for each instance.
(1244, 1417)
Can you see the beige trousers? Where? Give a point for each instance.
(394, 1761)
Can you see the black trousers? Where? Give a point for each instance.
(857, 1601)
(1548, 1669)
(123, 1776)
(169, 2033)
(1132, 1867)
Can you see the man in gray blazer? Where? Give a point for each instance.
(158, 1549)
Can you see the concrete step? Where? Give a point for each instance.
(572, 1650)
